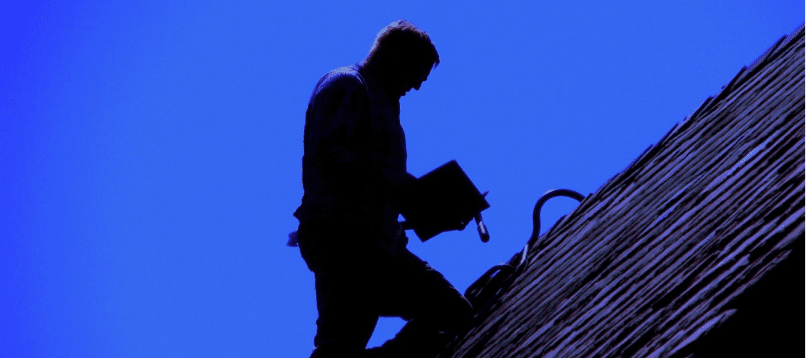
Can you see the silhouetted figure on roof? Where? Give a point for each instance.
(353, 174)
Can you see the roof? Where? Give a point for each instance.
(658, 257)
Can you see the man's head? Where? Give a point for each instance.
(401, 57)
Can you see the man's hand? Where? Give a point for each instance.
(457, 226)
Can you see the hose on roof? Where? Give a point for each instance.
(498, 277)
(539, 206)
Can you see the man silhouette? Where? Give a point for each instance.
(354, 177)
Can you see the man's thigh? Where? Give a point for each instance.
(416, 291)
(347, 313)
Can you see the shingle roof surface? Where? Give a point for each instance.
(650, 263)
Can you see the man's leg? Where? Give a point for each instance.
(345, 277)
(436, 311)
(346, 315)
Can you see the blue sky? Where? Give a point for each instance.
(150, 151)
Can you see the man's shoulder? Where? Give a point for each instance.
(342, 78)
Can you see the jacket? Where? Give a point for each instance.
(353, 165)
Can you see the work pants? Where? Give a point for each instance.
(353, 292)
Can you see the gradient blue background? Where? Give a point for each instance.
(150, 151)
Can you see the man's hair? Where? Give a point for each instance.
(403, 41)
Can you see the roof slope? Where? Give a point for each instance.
(657, 257)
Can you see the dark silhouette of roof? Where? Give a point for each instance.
(686, 253)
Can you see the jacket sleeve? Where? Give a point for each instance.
(337, 138)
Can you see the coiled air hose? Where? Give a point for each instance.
(497, 278)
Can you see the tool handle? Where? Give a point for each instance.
(483, 233)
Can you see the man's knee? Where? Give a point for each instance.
(458, 317)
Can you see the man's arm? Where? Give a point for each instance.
(397, 183)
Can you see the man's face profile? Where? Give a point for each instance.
(415, 76)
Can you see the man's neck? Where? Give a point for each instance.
(378, 75)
